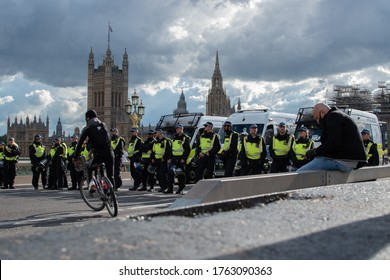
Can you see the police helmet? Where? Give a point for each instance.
(37, 136)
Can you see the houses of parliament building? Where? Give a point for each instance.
(107, 94)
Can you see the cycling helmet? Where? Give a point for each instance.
(90, 114)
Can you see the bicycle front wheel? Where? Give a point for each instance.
(111, 202)
(92, 196)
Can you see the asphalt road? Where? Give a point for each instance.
(348, 221)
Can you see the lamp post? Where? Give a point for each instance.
(135, 109)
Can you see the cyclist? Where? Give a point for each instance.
(100, 142)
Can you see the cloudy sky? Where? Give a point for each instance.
(283, 54)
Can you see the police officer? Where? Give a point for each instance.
(74, 175)
(207, 149)
(161, 152)
(280, 148)
(117, 144)
(11, 156)
(229, 149)
(37, 153)
(64, 158)
(52, 182)
(134, 155)
(58, 164)
(180, 152)
(300, 147)
(148, 179)
(370, 148)
(2, 144)
(253, 152)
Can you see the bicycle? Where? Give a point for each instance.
(97, 192)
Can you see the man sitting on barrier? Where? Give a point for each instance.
(341, 144)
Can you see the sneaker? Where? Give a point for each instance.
(168, 191)
(4, 187)
(179, 192)
(133, 188)
(142, 189)
(151, 190)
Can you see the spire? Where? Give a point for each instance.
(217, 71)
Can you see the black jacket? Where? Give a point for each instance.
(374, 159)
(33, 158)
(340, 138)
(285, 137)
(98, 137)
(232, 151)
(168, 148)
(186, 145)
(216, 145)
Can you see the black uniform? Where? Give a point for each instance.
(74, 175)
(229, 154)
(135, 159)
(372, 153)
(280, 162)
(161, 163)
(58, 166)
(118, 144)
(206, 163)
(180, 161)
(36, 157)
(147, 178)
(11, 154)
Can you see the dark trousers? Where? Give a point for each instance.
(36, 173)
(147, 178)
(117, 171)
(52, 184)
(180, 178)
(108, 159)
(1, 175)
(251, 166)
(162, 176)
(205, 168)
(75, 176)
(279, 165)
(229, 163)
(135, 174)
(59, 173)
(9, 173)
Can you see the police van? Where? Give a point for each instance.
(267, 124)
(363, 119)
(192, 126)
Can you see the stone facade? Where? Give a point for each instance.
(218, 103)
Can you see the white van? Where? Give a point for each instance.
(363, 119)
(193, 126)
(266, 121)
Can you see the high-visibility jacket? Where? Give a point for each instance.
(64, 150)
(300, 149)
(9, 150)
(148, 146)
(228, 140)
(2, 154)
(115, 142)
(178, 145)
(39, 150)
(132, 147)
(367, 150)
(206, 144)
(253, 150)
(72, 149)
(281, 147)
(52, 152)
(159, 148)
(85, 153)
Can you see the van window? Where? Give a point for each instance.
(240, 128)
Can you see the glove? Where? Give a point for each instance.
(310, 154)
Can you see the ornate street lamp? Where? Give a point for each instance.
(134, 109)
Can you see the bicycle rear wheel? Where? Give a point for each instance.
(110, 202)
(93, 198)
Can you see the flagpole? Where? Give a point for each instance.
(108, 34)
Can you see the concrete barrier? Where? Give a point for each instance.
(212, 190)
